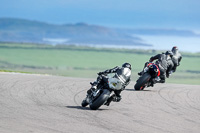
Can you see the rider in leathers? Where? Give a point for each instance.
(176, 58)
(164, 63)
(122, 73)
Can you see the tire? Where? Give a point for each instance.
(142, 81)
(84, 103)
(100, 100)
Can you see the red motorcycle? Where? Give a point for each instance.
(151, 72)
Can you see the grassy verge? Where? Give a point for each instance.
(76, 61)
(15, 71)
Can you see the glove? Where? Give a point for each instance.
(100, 73)
(150, 60)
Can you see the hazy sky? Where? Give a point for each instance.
(180, 14)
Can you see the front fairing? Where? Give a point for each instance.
(115, 84)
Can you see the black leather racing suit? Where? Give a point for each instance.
(164, 63)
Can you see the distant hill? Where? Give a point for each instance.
(20, 30)
(160, 32)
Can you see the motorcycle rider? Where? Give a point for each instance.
(164, 63)
(176, 58)
(123, 73)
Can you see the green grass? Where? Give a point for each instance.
(75, 61)
(15, 71)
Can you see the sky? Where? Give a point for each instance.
(179, 14)
(156, 14)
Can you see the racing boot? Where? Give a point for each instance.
(152, 82)
(157, 79)
(162, 79)
(140, 73)
(109, 101)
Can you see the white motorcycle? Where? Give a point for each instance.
(99, 96)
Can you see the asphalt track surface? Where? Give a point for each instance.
(51, 104)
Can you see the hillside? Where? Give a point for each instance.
(20, 30)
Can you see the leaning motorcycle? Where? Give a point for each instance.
(99, 96)
(151, 72)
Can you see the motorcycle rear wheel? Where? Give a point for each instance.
(140, 84)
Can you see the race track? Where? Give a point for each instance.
(51, 104)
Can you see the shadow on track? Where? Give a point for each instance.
(78, 107)
(83, 108)
(135, 90)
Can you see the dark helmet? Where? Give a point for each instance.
(169, 53)
(127, 65)
(174, 49)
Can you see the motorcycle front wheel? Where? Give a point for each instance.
(103, 97)
(84, 103)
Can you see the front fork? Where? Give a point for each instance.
(90, 97)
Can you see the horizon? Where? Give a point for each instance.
(185, 44)
(155, 14)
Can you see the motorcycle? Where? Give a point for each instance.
(151, 72)
(99, 96)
